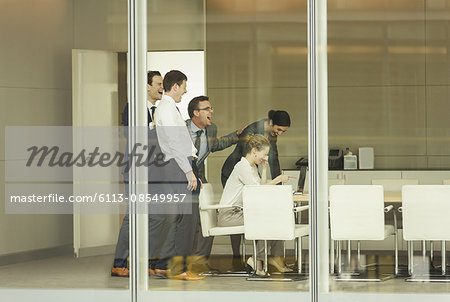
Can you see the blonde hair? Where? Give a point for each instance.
(256, 141)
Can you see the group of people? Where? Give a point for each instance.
(172, 235)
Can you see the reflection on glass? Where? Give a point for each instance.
(60, 68)
(387, 87)
(255, 61)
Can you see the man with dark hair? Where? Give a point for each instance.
(204, 134)
(200, 113)
(154, 93)
(177, 146)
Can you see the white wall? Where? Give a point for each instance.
(36, 39)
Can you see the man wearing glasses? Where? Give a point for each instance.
(204, 136)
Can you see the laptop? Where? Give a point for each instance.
(298, 182)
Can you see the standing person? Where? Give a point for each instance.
(154, 94)
(255, 152)
(204, 135)
(176, 144)
(276, 124)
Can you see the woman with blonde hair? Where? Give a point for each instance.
(274, 125)
(245, 172)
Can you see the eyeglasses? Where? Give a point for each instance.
(206, 108)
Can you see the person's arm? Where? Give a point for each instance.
(279, 179)
(223, 142)
(282, 178)
(264, 174)
(247, 178)
(218, 144)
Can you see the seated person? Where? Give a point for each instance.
(245, 172)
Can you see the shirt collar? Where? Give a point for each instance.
(169, 98)
(149, 104)
(194, 127)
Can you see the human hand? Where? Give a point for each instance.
(284, 178)
(264, 163)
(192, 181)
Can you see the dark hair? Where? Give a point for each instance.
(256, 141)
(151, 74)
(173, 77)
(280, 118)
(193, 104)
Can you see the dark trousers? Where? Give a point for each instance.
(122, 246)
(176, 232)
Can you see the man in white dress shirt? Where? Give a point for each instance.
(176, 144)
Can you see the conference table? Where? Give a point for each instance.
(389, 197)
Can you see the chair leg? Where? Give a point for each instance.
(359, 254)
(296, 249)
(255, 263)
(396, 255)
(444, 263)
(243, 249)
(299, 257)
(424, 249)
(331, 256)
(265, 256)
(339, 257)
(411, 252)
(431, 251)
(349, 253)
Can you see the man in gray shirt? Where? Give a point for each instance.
(204, 135)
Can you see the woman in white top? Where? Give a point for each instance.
(245, 172)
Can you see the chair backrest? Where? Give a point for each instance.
(268, 212)
(446, 181)
(395, 184)
(425, 212)
(357, 212)
(331, 182)
(208, 218)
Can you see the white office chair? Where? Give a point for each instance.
(425, 211)
(357, 213)
(395, 185)
(269, 215)
(208, 220)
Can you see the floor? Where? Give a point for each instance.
(66, 272)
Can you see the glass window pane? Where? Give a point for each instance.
(60, 68)
(388, 83)
(254, 61)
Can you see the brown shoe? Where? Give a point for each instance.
(188, 276)
(151, 272)
(162, 273)
(120, 272)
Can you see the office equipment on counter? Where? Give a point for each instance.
(366, 158)
(335, 159)
(350, 160)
